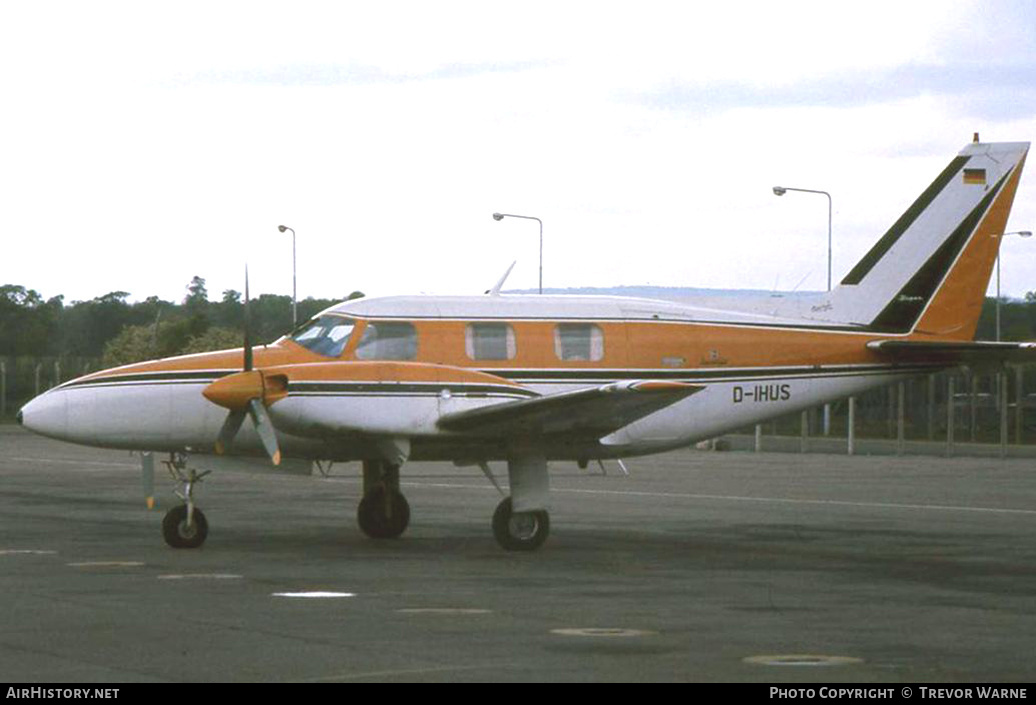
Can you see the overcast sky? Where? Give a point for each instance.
(144, 143)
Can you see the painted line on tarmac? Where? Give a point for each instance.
(760, 500)
(402, 673)
(443, 610)
(25, 552)
(107, 564)
(802, 660)
(60, 461)
(201, 576)
(602, 632)
(318, 594)
(815, 502)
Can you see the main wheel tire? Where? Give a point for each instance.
(178, 534)
(519, 531)
(383, 514)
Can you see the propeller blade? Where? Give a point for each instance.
(230, 428)
(264, 427)
(233, 391)
(147, 476)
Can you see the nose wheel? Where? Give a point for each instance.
(519, 531)
(184, 526)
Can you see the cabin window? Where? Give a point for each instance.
(578, 341)
(489, 341)
(326, 335)
(394, 340)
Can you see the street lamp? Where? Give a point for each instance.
(501, 216)
(781, 190)
(294, 298)
(1019, 233)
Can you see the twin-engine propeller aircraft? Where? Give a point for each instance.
(531, 379)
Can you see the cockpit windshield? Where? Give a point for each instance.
(326, 335)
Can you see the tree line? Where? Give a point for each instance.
(112, 329)
(116, 331)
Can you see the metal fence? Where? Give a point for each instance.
(951, 408)
(22, 378)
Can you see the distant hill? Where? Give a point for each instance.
(666, 293)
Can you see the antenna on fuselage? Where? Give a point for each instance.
(248, 327)
(495, 291)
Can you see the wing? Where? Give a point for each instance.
(963, 353)
(596, 411)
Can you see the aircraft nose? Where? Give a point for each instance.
(18, 417)
(46, 415)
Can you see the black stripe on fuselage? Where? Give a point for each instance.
(187, 377)
(588, 376)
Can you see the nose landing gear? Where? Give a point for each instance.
(184, 526)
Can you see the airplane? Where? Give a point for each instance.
(533, 379)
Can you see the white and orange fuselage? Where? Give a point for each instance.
(332, 408)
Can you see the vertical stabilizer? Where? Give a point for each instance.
(929, 273)
(954, 310)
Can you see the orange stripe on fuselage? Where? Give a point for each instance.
(265, 356)
(630, 346)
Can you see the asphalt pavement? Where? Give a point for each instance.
(699, 566)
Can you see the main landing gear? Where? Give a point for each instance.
(384, 512)
(524, 530)
(519, 531)
(184, 526)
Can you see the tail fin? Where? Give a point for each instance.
(929, 273)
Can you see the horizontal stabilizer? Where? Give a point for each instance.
(964, 353)
(593, 412)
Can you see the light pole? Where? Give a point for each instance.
(1019, 233)
(781, 190)
(294, 289)
(501, 216)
